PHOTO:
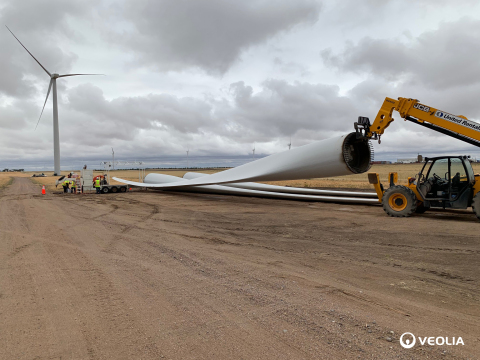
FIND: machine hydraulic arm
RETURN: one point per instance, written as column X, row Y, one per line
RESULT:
column 457, row 126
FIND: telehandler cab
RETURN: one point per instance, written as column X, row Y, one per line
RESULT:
column 444, row 182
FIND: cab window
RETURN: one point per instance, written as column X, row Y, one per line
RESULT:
column 471, row 175
column 439, row 168
column 458, row 173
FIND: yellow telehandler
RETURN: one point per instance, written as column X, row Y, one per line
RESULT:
column 443, row 182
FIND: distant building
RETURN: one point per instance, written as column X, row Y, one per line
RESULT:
column 381, row 162
column 407, row 161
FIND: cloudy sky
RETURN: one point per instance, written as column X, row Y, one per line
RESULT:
column 216, row 76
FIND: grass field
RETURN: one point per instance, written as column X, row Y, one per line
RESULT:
column 350, row 181
column 5, row 180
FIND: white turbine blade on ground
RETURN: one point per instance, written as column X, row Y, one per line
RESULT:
column 342, row 155
column 79, row 74
column 220, row 189
column 48, row 93
column 28, row 51
column 152, row 178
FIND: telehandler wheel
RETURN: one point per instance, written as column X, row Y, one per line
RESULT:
column 476, row 205
column 421, row 208
column 399, row 201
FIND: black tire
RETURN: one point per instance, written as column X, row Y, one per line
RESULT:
column 114, row 189
column 123, row 189
column 399, row 201
column 105, row 190
column 476, row 205
column 421, row 208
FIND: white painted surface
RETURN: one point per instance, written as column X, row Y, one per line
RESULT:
column 323, row 158
column 286, row 189
column 152, row 179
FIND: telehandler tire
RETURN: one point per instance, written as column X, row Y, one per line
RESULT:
column 399, row 201
column 476, row 205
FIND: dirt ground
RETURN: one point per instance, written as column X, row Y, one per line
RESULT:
column 152, row 275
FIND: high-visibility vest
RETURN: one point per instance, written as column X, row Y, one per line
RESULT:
column 65, row 183
column 97, row 183
column 72, row 184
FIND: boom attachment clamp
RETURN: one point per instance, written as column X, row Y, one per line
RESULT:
column 362, row 129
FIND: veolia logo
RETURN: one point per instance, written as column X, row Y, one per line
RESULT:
column 409, row 341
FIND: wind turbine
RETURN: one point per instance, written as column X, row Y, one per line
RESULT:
column 113, row 159
column 53, row 84
column 253, row 151
column 187, row 157
column 290, row 143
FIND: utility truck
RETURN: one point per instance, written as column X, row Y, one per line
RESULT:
column 105, row 187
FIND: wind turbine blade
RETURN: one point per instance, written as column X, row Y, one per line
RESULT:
column 79, row 74
column 48, row 93
column 28, row 51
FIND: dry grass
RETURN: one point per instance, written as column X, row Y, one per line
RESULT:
column 344, row 182
column 361, row 181
column 5, row 180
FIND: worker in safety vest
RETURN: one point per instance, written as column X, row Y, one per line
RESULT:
column 97, row 184
column 65, row 186
column 73, row 186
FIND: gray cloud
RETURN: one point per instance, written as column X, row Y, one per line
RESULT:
column 208, row 34
column 281, row 109
column 272, row 84
column 446, row 57
column 122, row 117
column 41, row 26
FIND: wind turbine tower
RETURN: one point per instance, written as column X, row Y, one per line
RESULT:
column 113, row 159
column 290, row 144
column 187, row 157
column 253, row 151
column 53, row 84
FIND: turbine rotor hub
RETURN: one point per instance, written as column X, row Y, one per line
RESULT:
column 54, row 76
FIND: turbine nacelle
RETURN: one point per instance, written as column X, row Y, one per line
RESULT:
column 55, row 76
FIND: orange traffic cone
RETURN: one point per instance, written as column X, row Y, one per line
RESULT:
column 43, row 190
